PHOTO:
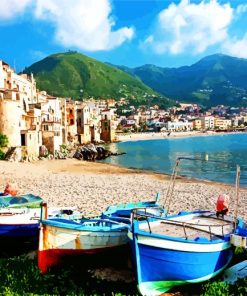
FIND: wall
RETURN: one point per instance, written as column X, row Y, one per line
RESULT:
column 10, row 115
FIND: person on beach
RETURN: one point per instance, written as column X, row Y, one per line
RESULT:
column 10, row 189
column 222, row 205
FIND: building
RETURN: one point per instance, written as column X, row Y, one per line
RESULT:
column 178, row 126
column 108, row 125
column 207, row 122
column 52, row 129
column 222, row 123
column 197, row 124
column 19, row 116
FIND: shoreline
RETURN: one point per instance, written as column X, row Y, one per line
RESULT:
column 173, row 135
column 92, row 187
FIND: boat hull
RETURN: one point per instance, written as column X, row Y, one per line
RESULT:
column 19, row 231
column 161, row 268
column 57, row 243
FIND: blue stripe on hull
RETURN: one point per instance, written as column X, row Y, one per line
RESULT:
column 29, row 230
column 158, row 264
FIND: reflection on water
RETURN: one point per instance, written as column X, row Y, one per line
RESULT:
column 160, row 155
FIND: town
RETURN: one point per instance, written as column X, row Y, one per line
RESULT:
column 33, row 120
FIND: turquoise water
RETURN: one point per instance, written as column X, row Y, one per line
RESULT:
column 225, row 152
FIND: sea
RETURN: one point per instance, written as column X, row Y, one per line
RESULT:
column 217, row 156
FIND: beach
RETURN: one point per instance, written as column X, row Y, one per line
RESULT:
column 92, row 186
column 168, row 135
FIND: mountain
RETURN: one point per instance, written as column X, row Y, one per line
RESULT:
column 67, row 74
column 215, row 79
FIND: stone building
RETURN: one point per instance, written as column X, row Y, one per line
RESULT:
column 17, row 120
column 108, row 125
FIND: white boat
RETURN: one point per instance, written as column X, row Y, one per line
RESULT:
column 61, row 239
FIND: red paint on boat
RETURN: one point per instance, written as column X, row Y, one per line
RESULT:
column 50, row 258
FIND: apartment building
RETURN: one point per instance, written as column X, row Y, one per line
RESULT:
column 207, row 122
column 222, row 123
column 197, row 124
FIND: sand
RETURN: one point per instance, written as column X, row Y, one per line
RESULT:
column 91, row 187
column 166, row 135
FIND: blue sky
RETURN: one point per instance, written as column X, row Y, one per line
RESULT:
column 124, row 32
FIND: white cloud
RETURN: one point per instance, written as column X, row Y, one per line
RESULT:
column 242, row 8
column 191, row 27
column 83, row 24
column 9, row 9
column 236, row 47
column 233, row 45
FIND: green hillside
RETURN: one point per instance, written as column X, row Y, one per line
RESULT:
column 65, row 74
column 215, row 79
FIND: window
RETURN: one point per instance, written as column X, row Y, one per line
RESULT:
column 23, row 140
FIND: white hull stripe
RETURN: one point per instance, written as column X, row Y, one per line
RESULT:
column 180, row 246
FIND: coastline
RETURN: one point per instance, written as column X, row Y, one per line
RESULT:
column 92, row 187
column 173, row 135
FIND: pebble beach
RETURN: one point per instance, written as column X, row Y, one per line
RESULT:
column 91, row 186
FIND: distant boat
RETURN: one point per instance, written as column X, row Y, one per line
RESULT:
column 189, row 247
column 61, row 238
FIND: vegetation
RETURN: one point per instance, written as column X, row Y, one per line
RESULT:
column 216, row 79
column 76, row 279
column 70, row 281
column 3, row 143
column 75, row 75
column 222, row 289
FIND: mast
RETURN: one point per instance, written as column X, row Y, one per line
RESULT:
column 237, row 195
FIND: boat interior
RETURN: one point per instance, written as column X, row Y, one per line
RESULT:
column 190, row 226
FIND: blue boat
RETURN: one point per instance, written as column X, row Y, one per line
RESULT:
column 20, row 217
column 122, row 212
column 189, row 247
column 20, row 201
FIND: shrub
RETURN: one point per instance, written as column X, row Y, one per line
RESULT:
column 3, row 140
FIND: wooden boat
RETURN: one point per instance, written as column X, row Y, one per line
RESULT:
column 20, row 201
column 189, row 247
column 22, row 223
column 60, row 238
column 185, row 248
column 235, row 272
column 122, row 212
column 20, row 216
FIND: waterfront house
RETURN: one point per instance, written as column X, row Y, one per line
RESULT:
column 18, row 121
column 52, row 130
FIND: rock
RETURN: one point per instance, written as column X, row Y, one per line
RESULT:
column 43, row 151
column 14, row 154
column 91, row 153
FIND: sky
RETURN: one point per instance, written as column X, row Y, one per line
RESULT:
column 123, row 32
